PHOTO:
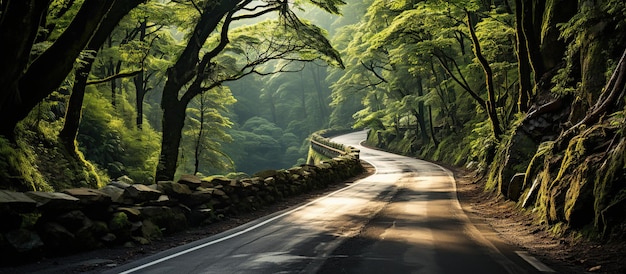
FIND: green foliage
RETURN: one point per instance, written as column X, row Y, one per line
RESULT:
column 18, row 170
column 118, row 147
column 205, row 131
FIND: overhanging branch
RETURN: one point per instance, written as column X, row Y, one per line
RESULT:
column 113, row 77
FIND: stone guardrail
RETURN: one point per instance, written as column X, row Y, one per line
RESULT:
column 329, row 149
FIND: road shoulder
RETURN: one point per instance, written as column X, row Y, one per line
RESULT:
column 568, row 254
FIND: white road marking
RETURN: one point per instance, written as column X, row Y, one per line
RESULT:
column 243, row 231
column 534, row 261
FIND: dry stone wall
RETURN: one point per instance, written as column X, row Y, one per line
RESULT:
column 36, row 224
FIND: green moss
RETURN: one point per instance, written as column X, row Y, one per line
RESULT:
column 18, row 169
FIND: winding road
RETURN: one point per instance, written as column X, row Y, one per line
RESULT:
column 405, row 218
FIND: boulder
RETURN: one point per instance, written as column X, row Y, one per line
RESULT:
column 193, row 182
column 516, row 186
column 11, row 201
column 141, row 193
column 54, row 201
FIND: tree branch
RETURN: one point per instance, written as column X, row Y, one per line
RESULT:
column 113, row 77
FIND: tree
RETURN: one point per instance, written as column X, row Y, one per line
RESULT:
column 205, row 131
column 25, row 83
column 197, row 70
column 74, row 109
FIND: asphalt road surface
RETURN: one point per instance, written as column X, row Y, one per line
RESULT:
column 406, row 218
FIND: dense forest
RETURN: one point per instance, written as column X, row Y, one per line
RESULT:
column 150, row 90
column 528, row 93
column 531, row 94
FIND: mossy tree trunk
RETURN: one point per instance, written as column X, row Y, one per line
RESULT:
column 490, row 103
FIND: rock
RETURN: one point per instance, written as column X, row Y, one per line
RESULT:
column 220, row 180
column 141, row 240
column 141, row 193
column 266, row 173
column 135, row 226
column 595, row 268
column 516, row 185
column 120, row 226
column 174, row 190
column 57, row 238
column 115, row 192
column 24, row 242
column 198, row 197
column 150, row 231
column 200, row 216
column 108, row 238
column 133, row 213
column 119, row 184
column 54, row 201
column 163, row 200
column 74, row 220
column 16, row 202
column 126, row 179
column 193, row 182
column 89, row 197
column 167, row 218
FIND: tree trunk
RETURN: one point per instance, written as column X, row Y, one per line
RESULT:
column 420, row 112
column 198, row 148
column 432, row 127
column 321, row 99
column 73, row 112
column 552, row 47
column 139, row 81
column 532, row 13
column 491, row 95
column 178, row 75
column 18, row 29
column 39, row 81
column 140, row 93
column 173, row 123
column 523, row 63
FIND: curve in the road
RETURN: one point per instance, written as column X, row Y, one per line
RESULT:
column 406, row 218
